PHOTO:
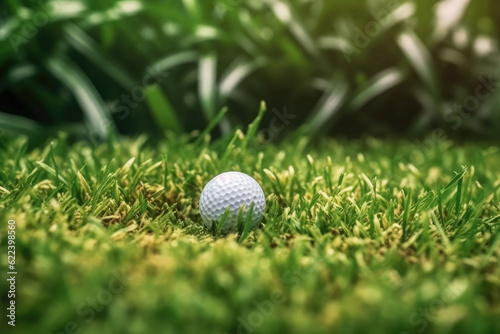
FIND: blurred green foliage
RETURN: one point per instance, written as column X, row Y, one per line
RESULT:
column 355, row 67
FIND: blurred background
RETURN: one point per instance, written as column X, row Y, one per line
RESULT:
column 324, row 67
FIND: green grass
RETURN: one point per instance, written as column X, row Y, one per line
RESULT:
column 355, row 238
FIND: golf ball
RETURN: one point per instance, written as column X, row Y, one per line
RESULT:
column 233, row 190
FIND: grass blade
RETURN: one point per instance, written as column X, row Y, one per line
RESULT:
column 247, row 224
column 253, row 128
column 222, row 222
column 328, row 107
column 17, row 125
column 378, row 85
column 87, row 47
column 162, row 110
column 237, row 74
column 457, row 178
column 84, row 91
column 420, row 58
column 172, row 61
column 439, row 227
column 211, row 126
column 207, row 86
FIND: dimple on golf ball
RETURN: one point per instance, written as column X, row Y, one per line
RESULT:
column 233, row 190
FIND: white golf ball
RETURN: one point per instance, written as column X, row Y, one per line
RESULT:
column 232, row 190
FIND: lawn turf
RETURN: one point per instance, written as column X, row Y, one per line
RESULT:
column 360, row 236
